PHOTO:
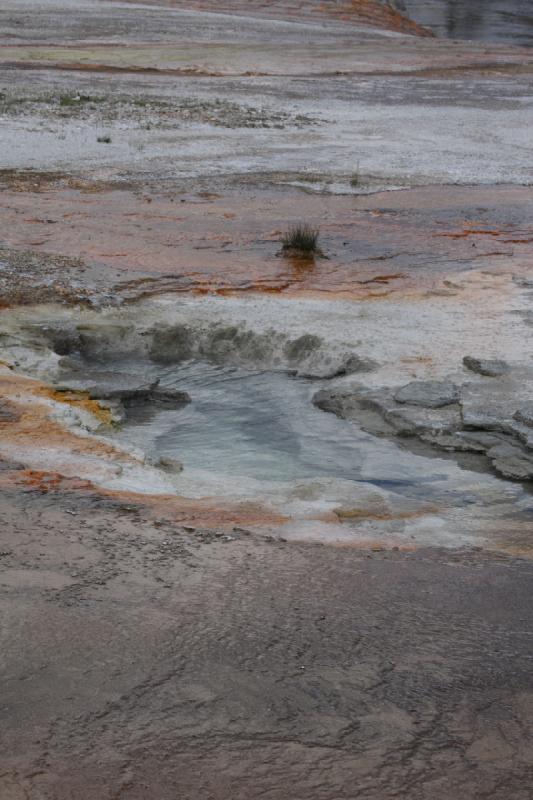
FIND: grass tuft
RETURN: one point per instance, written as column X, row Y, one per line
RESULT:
column 355, row 178
column 301, row 239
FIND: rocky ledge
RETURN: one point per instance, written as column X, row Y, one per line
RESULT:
column 488, row 416
column 118, row 391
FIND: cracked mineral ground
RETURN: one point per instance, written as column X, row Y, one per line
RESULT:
column 266, row 520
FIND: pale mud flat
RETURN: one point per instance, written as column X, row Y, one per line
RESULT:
column 299, row 579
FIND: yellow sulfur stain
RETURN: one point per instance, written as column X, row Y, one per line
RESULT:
column 79, row 400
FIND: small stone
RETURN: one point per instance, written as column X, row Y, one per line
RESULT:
column 170, row 464
column 490, row 367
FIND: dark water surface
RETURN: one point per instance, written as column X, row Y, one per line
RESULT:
column 509, row 21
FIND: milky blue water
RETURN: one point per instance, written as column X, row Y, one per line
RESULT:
column 263, row 426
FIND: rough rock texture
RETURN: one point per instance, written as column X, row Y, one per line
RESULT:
column 491, row 367
column 109, row 386
column 482, row 417
column 511, row 461
column 117, row 389
column 429, row 394
column 169, row 397
column 524, row 415
column 306, row 356
column 409, row 420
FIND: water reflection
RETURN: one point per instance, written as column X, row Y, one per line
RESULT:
column 488, row 20
column 302, row 266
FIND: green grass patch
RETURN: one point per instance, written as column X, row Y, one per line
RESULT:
column 301, row 239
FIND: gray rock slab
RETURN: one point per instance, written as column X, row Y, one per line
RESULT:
column 429, row 394
column 169, row 397
column 491, row 405
column 511, row 461
column 321, row 366
column 123, row 389
column 524, row 415
column 108, row 385
column 462, row 441
column 415, row 420
column 357, row 403
column 490, row 367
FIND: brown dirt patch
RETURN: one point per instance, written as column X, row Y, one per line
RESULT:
column 139, row 244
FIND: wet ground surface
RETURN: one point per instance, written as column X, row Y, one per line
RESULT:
column 410, row 673
column 227, row 239
column 315, row 607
